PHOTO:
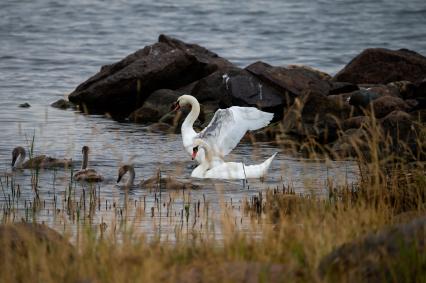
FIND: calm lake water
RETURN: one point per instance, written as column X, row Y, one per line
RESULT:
column 49, row 47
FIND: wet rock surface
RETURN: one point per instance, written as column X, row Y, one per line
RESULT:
column 25, row 105
column 62, row 104
column 155, row 106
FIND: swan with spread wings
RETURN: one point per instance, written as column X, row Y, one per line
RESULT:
column 224, row 131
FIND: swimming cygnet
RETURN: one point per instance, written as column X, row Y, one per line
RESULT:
column 127, row 169
column 87, row 174
column 42, row 161
column 167, row 183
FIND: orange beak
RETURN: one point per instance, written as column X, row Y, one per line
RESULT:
column 175, row 106
column 194, row 153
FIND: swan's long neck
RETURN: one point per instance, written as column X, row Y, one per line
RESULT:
column 207, row 153
column 21, row 159
column 85, row 162
column 193, row 115
column 131, row 179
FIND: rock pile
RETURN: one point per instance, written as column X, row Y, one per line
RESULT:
column 379, row 88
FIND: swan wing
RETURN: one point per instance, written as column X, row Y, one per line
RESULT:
column 228, row 126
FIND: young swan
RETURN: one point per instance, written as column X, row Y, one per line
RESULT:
column 86, row 174
column 152, row 183
column 126, row 169
column 42, row 161
column 216, row 169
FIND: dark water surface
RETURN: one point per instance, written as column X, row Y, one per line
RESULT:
column 48, row 47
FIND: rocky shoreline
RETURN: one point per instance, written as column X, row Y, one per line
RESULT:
column 383, row 87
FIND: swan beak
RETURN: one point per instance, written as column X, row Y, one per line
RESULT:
column 194, row 153
column 14, row 157
column 119, row 178
column 175, row 106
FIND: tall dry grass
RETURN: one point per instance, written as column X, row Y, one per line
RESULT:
column 289, row 234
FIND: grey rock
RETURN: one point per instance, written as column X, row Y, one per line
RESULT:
column 234, row 86
column 155, row 106
column 382, row 66
column 384, row 105
column 315, row 116
column 122, row 87
column 62, row 104
column 342, row 87
column 362, row 97
column 291, row 82
column 379, row 256
column 25, row 105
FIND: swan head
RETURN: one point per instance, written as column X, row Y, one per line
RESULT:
column 183, row 100
column 194, row 152
column 198, row 146
column 17, row 151
column 122, row 171
column 85, row 149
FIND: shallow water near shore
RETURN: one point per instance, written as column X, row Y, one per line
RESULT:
column 113, row 143
column 49, row 47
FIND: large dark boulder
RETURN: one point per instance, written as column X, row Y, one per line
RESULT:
column 384, row 105
column 342, row 87
column 381, row 66
column 315, row 115
column 392, row 255
column 211, row 60
column 352, row 142
column 123, row 86
column 356, row 122
column 234, row 86
column 361, row 98
column 403, row 135
column 385, row 90
column 155, row 106
column 291, row 81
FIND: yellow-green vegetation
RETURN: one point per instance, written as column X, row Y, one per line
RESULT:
column 289, row 237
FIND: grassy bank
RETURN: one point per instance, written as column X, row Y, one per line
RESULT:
column 289, row 235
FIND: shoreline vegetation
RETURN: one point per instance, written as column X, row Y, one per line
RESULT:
column 371, row 231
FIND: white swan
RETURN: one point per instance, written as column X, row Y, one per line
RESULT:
column 87, row 174
column 224, row 131
column 226, row 170
column 153, row 182
column 42, row 161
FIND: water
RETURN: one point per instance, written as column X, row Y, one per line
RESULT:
column 48, row 47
